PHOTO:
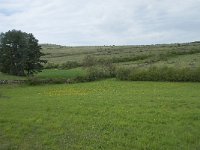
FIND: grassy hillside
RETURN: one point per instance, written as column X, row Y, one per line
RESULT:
column 179, row 55
column 171, row 55
column 101, row 115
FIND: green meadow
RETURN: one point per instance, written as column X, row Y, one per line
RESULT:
column 50, row 74
column 108, row 114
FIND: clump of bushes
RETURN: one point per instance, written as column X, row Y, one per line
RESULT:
column 159, row 74
column 70, row 65
column 99, row 72
column 51, row 66
column 98, row 68
column 89, row 61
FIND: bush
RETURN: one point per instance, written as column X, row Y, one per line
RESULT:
column 123, row 73
column 70, row 65
column 89, row 61
column 98, row 68
column 51, row 66
column 99, row 72
column 159, row 74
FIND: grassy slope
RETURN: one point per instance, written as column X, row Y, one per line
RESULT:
column 101, row 115
column 60, row 54
column 192, row 60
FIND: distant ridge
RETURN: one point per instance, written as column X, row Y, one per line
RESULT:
column 161, row 44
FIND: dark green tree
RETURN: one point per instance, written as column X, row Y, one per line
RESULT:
column 20, row 53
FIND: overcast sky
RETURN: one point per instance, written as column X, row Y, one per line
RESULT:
column 103, row 22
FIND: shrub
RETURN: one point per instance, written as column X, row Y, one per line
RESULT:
column 89, row 61
column 70, row 65
column 123, row 73
column 159, row 74
column 98, row 68
column 51, row 66
column 99, row 72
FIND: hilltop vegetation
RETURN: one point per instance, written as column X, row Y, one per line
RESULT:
column 173, row 55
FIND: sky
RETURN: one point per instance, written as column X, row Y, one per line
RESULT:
column 103, row 22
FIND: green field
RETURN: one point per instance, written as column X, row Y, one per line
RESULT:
column 106, row 114
column 50, row 74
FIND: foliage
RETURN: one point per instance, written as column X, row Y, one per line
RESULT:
column 160, row 74
column 50, row 65
column 20, row 53
column 70, row 65
column 123, row 73
column 98, row 68
column 89, row 61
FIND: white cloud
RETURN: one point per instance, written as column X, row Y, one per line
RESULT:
column 103, row 22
